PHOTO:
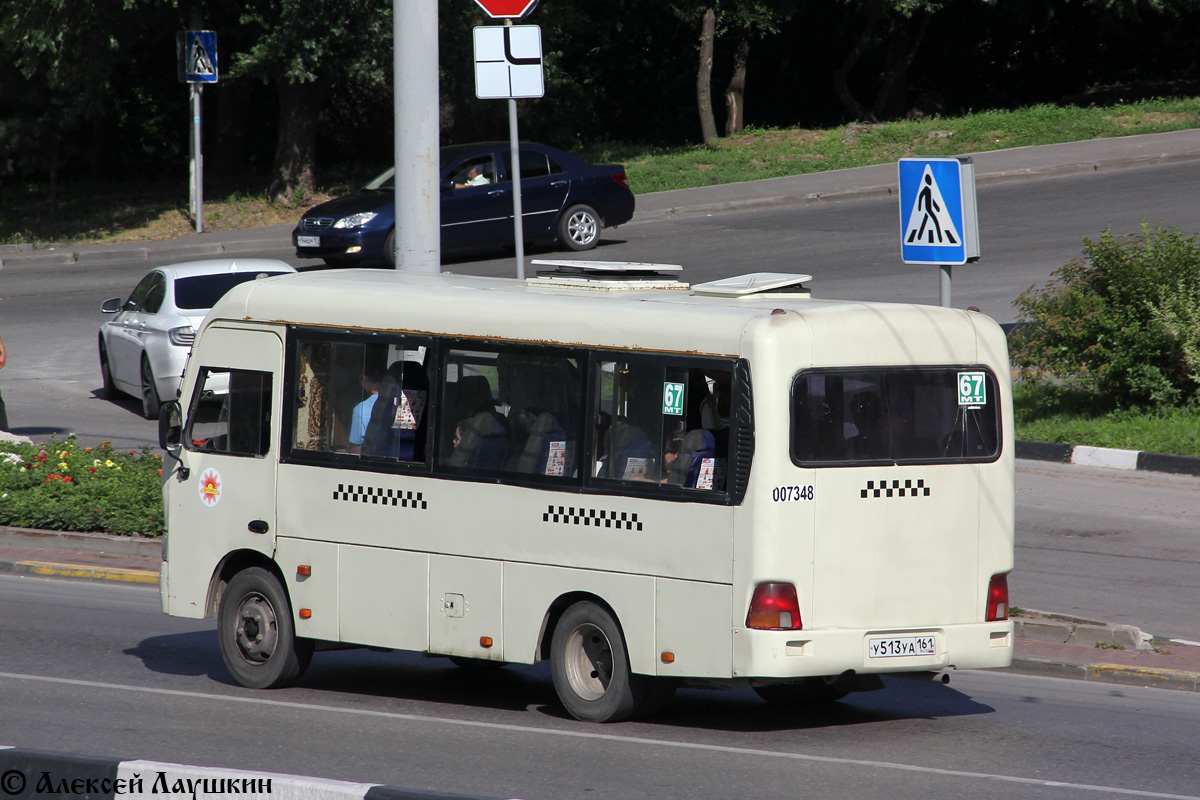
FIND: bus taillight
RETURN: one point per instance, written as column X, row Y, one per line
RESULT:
column 997, row 599
column 774, row 607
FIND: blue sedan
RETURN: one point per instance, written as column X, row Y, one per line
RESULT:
column 562, row 197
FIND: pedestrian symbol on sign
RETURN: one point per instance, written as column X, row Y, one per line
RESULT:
column 199, row 62
column 930, row 222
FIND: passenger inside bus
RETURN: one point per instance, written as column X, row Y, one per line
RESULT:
column 398, row 422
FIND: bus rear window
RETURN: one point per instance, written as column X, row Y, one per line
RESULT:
column 895, row 415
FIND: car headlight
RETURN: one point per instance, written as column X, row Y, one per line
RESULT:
column 356, row 220
column 182, row 337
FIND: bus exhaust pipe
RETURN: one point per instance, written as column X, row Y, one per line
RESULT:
column 932, row 677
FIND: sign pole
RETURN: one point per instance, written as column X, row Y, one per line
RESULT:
column 518, row 215
column 944, row 286
column 197, row 165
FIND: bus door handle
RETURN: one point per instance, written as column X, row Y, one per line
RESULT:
column 258, row 526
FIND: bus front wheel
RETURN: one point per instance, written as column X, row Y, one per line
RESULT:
column 590, row 667
column 258, row 639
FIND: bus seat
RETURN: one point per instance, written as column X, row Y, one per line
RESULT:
column 400, row 434
column 629, row 442
column 699, row 454
column 484, row 443
column 534, row 458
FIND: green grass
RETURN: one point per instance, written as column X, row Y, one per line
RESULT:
column 759, row 153
column 1046, row 413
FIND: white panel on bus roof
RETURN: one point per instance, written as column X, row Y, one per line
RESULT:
column 754, row 283
column 608, row 266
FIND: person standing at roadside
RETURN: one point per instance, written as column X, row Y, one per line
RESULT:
column 3, row 414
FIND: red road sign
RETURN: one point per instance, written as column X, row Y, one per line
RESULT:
column 507, row 9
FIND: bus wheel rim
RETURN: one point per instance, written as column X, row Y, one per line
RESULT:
column 257, row 629
column 588, row 662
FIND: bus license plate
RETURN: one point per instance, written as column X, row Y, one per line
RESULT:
column 308, row 241
column 899, row 646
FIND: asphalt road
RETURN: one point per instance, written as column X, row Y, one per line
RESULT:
column 96, row 668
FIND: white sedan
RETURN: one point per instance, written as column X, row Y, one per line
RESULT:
column 144, row 347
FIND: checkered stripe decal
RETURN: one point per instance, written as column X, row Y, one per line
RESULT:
column 895, row 489
column 349, row 493
column 569, row 515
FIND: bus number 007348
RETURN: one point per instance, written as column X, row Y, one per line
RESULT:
column 792, row 494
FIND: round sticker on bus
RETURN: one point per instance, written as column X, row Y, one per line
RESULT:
column 210, row 487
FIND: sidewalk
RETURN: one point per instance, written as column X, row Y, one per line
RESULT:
column 1046, row 644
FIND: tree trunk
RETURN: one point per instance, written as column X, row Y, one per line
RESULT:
column 708, row 32
column 842, row 73
column 889, row 103
column 295, row 148
column 735, row 95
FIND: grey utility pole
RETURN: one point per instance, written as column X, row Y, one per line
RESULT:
column 415, row 88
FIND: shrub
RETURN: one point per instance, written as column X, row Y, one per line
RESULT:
column 61, row 486
column 1122, row 321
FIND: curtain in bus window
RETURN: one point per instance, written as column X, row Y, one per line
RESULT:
column 895, row 415
column 662, row 424
column 235, row 423
column 337, row 384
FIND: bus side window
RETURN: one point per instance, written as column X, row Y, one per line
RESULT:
column 336, row 386
column 236, row 423
column 662, row 423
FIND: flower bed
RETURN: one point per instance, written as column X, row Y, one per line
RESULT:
column 61, row 486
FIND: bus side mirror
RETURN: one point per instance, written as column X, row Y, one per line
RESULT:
column 170, row 428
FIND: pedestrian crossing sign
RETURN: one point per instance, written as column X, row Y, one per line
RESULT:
column 196, row 56
column 938, row 224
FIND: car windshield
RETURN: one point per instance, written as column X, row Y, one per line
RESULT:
column 203, row 291
column 383, row 182
column 386, row 180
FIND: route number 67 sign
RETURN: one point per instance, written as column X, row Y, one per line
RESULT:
column 972, row 389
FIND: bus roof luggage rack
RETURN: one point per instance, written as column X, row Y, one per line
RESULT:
column 756, row 283
column 606, row 275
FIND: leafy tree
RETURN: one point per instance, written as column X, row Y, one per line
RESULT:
column 306, row 48
column 66, row 54
column 744, row 19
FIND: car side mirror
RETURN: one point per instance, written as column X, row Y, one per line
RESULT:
column 111, row 306
column 447, row 186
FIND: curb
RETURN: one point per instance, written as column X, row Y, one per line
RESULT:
column 45, row 569
column 1178, row 680
column 1108, row 458
column 35, row 773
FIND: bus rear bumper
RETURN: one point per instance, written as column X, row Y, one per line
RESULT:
column 795, row 654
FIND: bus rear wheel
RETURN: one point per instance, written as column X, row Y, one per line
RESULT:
column 258, row 639
column 590, row 667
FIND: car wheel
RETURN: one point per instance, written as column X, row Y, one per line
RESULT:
column 108, row 389
column 150, row 401
column 590, row 667
column 389, row 248
column 258, row 640
column 579, row 228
